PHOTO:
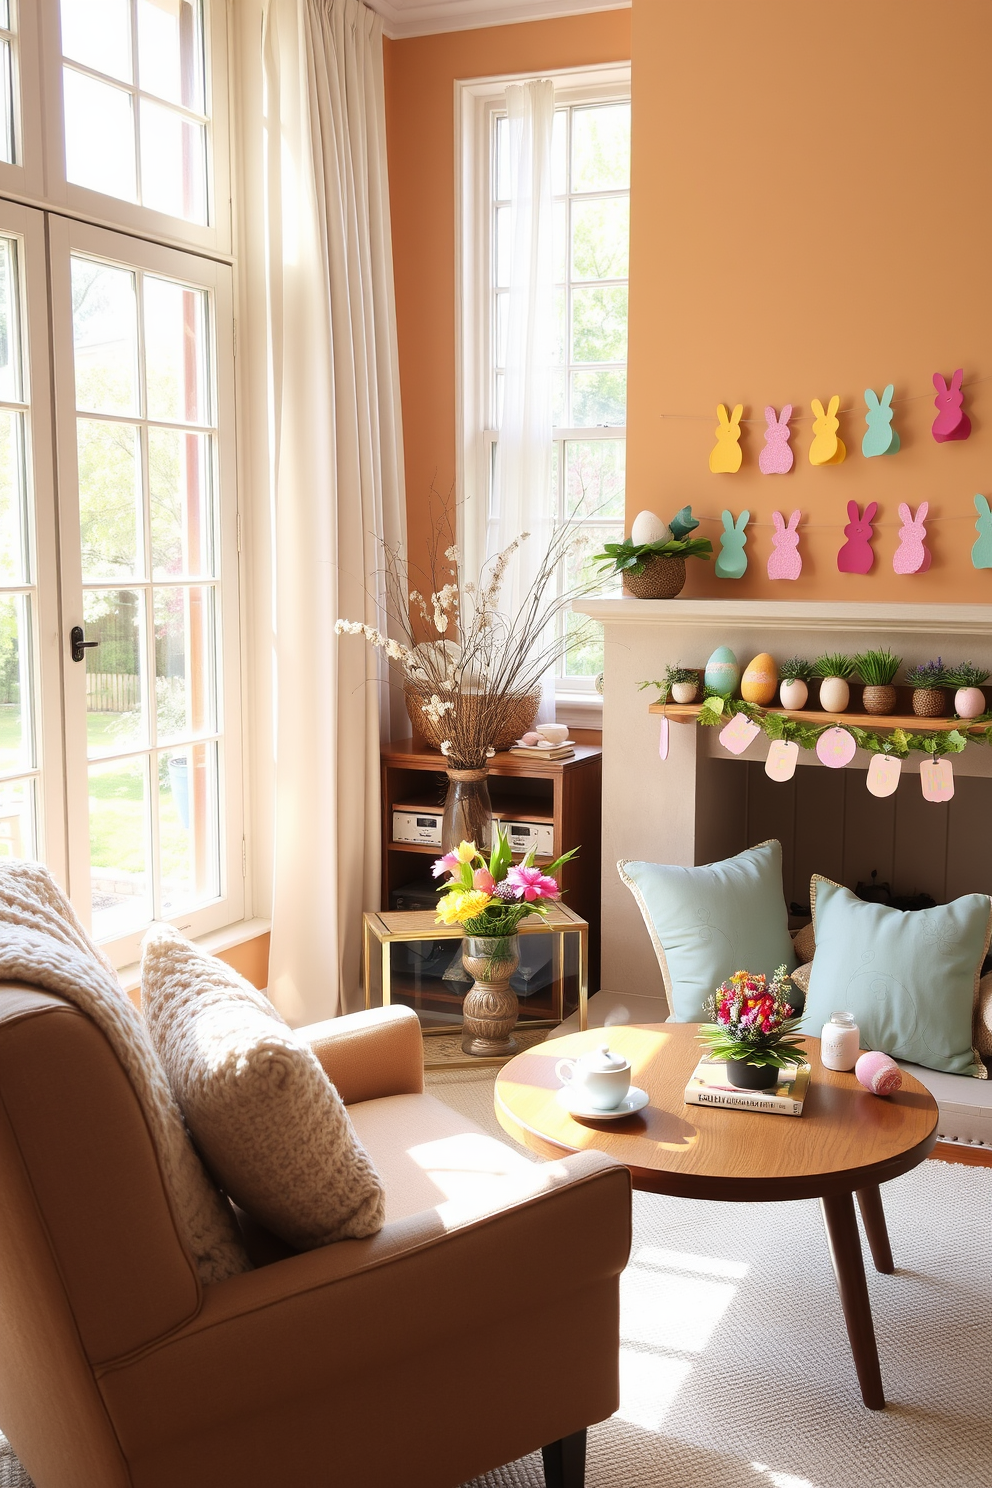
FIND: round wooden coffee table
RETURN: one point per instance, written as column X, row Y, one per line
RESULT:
column 845, row 1144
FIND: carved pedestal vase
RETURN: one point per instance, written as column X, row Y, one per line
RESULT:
column 489, row 1012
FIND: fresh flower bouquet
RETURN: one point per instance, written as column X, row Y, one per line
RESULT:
column 754, row 1021
column 491, row 897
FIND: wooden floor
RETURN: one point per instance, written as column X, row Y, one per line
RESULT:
column 971, row 1157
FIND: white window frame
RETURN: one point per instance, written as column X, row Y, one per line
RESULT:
column 65, row 237
column 25, row 176
column 93, row 206
column 476, row 102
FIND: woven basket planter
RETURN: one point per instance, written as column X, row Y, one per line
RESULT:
column 929, row 702
column 520, row 714
column 662, row 578
column 878, row 699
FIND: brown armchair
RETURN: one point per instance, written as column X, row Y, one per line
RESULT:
column 480, row 1324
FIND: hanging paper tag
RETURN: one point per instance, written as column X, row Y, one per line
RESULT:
column 781, row 762
column 738, row 733
column 835, row 748
column 937, row 779
column 663, row 739
column 883, row 774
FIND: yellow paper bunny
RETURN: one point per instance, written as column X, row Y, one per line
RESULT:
column 826, row 448
column 725, row 456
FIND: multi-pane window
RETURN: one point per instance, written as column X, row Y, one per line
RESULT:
column 134, row 102
column 591, row 184
column 7, row 147
column 146, row 452
column 19, row 774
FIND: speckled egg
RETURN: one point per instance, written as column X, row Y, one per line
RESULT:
column 647, row 528
column 722, row 671
column 760, row 680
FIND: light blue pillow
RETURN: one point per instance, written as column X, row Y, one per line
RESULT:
column 910, row 977
column 706, row 923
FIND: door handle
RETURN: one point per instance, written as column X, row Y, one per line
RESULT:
column 77, row 646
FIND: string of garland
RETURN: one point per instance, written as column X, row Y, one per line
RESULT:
column 899, row 742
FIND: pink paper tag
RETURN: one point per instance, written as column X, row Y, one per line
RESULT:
column 835, row 748
column 781, row 762
column 738, row 733
column 883, row 774
column 663, row 739
column 937, row 779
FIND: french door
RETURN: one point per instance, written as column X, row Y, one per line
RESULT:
column 121, row 735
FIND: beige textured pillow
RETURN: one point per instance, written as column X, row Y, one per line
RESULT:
column 801, row 977
column 804, row 942
column 983, row 1017
column 266, row 1119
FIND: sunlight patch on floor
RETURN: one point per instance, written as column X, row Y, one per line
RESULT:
column 648, row 1387
column 666, row 1311
column 781, row 1479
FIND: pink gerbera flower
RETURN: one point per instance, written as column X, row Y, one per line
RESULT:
column 530, row 884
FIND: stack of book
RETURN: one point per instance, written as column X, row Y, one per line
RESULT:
column 534, row 751
column 709, row 1086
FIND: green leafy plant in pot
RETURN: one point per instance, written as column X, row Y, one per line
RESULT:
column 651, row 560
column 754, row 1028
column 836, row 672
column 877, row 670
column 928, row 679
column 969, row 699
column 795, row 675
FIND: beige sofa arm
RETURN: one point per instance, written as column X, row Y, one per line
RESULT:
column 371, row 1054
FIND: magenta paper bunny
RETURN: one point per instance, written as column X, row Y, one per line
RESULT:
column 776, row 457
column 912, row 555
column 857, row 556
column 951, row 422
column 785, row 562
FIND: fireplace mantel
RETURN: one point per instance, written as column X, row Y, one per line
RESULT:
column 932, row 620
column 701, row 804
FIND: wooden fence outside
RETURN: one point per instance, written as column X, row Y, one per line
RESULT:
column 112, row 692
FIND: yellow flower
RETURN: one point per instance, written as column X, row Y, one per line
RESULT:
column 461, row 905
column 465, row 852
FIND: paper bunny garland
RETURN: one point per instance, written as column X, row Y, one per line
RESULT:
column 776, row 457
column 951, row 422
column 880, row 437
column 981, row 552
column 731, row 562
column 725, row 456
column 784, row 562
column 912, row 555
column 826, row 448
column 857, row 556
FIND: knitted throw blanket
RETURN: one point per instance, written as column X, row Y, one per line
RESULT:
column 43, row 943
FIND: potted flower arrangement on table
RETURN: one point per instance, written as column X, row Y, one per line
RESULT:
column 754, row 1026
column 877, row 670
column 928, row 679
column 489, row 897
column 969, row 699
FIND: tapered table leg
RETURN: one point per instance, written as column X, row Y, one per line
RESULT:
column 870, row 1204
column 849, row 1269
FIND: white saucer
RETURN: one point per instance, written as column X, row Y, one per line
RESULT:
column 519, row 744
column 635, row 1100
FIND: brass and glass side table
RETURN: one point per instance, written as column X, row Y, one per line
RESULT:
column 408, row 959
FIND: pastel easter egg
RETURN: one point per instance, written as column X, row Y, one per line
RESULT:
column 760, row 680
column 531, row 738
column 835, row 748
column 878, row 1073
column 722, row 672
column 648, row 528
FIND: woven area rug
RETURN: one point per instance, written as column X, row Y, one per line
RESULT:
column 735, row 1367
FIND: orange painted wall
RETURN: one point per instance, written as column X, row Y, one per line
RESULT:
column 420, row 110
column 811, row 213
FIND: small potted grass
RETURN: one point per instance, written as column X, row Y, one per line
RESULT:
column 928, row 679
column 877, row 670
column 795, row 675
column 969, row 699
column 681, row 684
column 836, row 672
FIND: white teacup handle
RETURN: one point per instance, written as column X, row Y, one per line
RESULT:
column 561, row 1067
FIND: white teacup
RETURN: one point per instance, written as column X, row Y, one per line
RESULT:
column 554, row 733
column 599, row 1078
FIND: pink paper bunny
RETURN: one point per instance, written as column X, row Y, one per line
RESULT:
column 857, row 555
column 785, row 562
column 776, row 457
column 912, row 555
column 950, row 422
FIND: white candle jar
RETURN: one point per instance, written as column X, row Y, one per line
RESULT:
column 840, row 1042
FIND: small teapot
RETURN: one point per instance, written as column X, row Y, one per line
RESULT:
column 600, row 1078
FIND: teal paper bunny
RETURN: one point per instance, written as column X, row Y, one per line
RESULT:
column 732, row 561
column 880, row 437
column 981, row 553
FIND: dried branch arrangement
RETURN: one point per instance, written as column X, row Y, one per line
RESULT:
column 470, row 662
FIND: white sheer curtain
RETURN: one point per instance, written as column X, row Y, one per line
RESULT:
column 522, row 488
column 335, row 481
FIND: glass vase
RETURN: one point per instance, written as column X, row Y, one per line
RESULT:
column 468, row 814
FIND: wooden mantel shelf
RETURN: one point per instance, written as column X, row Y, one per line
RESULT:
column 934, row 621
column 689, row 712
